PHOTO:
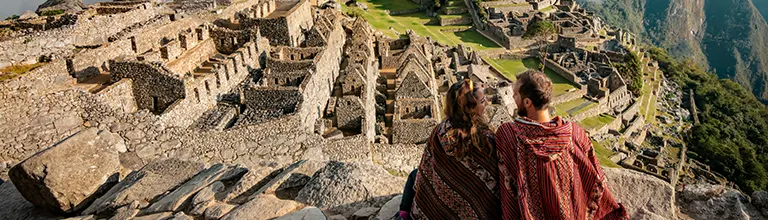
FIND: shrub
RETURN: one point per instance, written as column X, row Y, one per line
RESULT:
column 52, row 12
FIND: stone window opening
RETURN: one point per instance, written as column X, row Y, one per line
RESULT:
column 197, row 95
column 287, row 81
column 407, row 110
column 277, row 83
column 292, row 58
column 155, row 103
column 133, row 45
column 221, row 42
column 207, row 87
column 349, row 103
column 226, row 72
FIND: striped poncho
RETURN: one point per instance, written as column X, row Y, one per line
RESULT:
column 452, row 187
column 549, row 171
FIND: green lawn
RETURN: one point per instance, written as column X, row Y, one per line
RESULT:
column 510, row 69
column 512, row 5
column 547, row 9
column 574, row 107
column 648, row 101
column 603, row 154
column 596, row 122
column 417, row 22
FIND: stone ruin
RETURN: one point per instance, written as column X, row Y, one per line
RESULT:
column 508, row 25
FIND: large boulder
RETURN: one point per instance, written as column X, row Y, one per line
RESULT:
column 760, row 201
column 145, row 185
column 704, row 201
column 68, row 176
column 347, row 187
column 657, row 197
column 68, row 6
column 183, row 194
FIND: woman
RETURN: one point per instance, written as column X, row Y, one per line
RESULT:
column 457, row 175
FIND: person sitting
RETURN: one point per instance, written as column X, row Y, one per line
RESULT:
column 547, row 166
column 457, row 175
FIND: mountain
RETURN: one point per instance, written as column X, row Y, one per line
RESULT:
column 729, row 37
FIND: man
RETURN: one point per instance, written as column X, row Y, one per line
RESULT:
column 547, row 165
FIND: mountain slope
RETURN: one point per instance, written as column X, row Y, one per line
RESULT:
column 728, row 36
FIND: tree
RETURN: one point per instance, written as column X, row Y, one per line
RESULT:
column 632, row 71
column 541, row 32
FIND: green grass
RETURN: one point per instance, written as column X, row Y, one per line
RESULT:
column 596, row 122
column 512, row 5
column 547, row 9
column 417, row 22
column 16, row 70
column 510, row 68
column 571, row 108
column 52, row 12
column 603, row 154
column 648, row 106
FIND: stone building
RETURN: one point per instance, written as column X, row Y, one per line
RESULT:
column 186, row 75
column 282, row 22
column 298, row 80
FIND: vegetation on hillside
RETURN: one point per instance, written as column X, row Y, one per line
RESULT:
column 13, row 71
column 632, row 72
column 731, row 136
column 52, row 12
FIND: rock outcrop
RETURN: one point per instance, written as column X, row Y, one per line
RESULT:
column 657, row 197
column 347, row 187
column 145, row 185
column 66, row 177
column 68, row 6
column 703, row 201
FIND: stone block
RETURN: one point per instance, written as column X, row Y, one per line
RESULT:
column 307, row 213
column 216, row 211
column 263, row 207
column 146, row 184
column 174, row 200
column 347, row 187
column 66, row 177
column 390, row 209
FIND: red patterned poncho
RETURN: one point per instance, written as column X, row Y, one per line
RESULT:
column 549, row 171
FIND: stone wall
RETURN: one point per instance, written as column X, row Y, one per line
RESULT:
column 192, row 58
column 614, row 125
column 285, row 99
column 154, row 86
column 28, row 124
column 455, row 21
column 568, row 96
column 91, row 62
column 317, row 89
column 96, row 30
column 152, row 36
column 409, row 11
column 26, row 50
column 119, row 96
column 413, row 131
column 228, row 40
column 349, row 112
column 565, row 73
column 202, row 93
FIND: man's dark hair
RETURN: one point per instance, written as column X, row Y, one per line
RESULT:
column 535, row 86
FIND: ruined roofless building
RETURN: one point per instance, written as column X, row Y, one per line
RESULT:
column 186, row 75
column 299, row 80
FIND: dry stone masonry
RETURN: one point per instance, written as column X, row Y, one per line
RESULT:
column 289, row 109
